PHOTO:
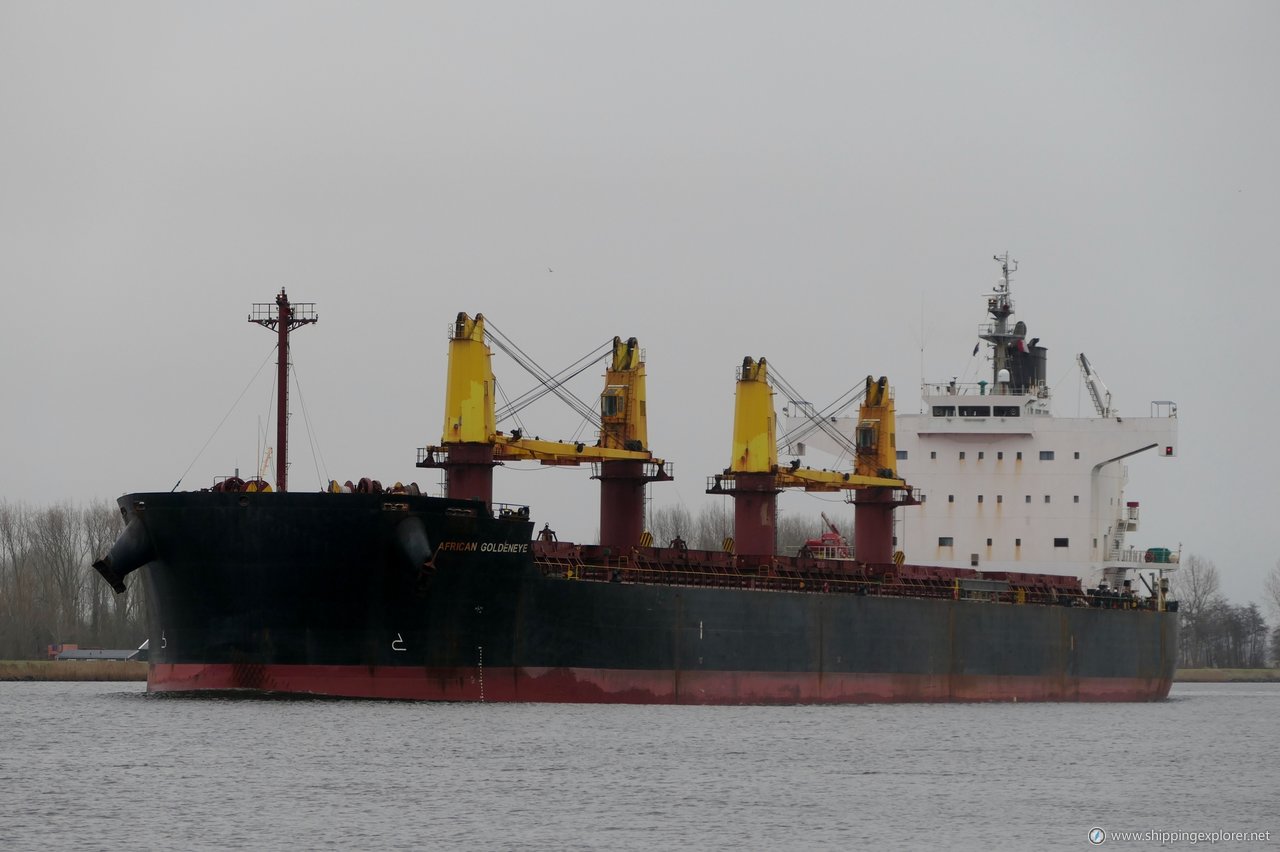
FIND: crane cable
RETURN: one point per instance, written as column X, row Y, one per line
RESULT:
column 822, row 422
column 814, row 420
column 548, row 381
column 223, row 420
column 514, row 406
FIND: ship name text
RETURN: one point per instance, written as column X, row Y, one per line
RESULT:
column 485, row 546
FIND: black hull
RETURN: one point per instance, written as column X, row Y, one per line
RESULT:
column 416, row 597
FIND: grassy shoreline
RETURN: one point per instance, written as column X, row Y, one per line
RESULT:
column 1227, row 676
column 56, row 670
column 73, row 670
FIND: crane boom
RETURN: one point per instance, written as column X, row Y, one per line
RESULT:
column 830, row 524
column 1098, row 391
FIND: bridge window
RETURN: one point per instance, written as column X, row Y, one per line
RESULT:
column 1007, row 411
column 975, row 411
column 944, row 411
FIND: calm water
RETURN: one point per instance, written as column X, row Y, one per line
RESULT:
column 105, row 766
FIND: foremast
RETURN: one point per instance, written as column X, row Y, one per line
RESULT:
column 282, row 318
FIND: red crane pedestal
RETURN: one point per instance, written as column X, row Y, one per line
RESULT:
column 621, row 503
column 755, row 514
column 873, row 524
column 469, row 472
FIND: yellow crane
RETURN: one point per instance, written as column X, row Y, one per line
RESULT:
column 471, row 442
column 754, row 476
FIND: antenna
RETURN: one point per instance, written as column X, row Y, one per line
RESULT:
column 283, row 317
column 1000, row 306
column 1003, row 260
column 921, row 350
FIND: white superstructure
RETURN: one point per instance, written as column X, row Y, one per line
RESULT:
column 1007, row 486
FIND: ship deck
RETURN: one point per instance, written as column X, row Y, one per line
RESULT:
column 682, row 566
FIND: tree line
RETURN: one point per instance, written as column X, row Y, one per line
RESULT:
column 49, row 592
column 714, row 523
column 1216, row 633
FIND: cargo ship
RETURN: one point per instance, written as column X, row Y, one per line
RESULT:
column 369, row 591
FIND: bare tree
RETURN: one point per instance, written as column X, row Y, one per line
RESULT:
column 56, row 538
column 1271, row 587
column 1196, row 587
column 16, row 592
column 795, row 530
column 1253, row 653
column 714, row 525
column 48, row 590
column 109, row 615
column 667, row 523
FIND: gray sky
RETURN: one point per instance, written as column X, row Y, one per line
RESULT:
column 822, row 184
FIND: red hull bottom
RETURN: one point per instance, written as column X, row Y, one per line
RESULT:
column 617, row 686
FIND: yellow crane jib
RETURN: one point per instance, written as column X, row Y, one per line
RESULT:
column 623, row 423
column 811, row 479
column 469, row 396
column 516, row 447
